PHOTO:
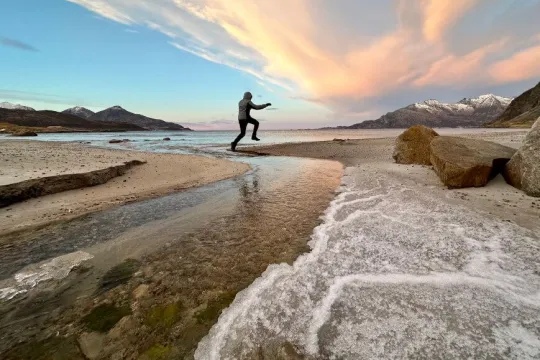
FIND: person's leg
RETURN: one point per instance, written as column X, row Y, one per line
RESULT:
column 255, row 128
column 243, row 126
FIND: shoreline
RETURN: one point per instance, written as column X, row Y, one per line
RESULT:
column 161, row 174
column 497, row 198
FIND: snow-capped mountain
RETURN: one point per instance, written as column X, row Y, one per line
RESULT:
column 79, row 111
column 468, row 112
column 10, row 106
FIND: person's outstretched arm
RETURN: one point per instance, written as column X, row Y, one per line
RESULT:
column 258, row 107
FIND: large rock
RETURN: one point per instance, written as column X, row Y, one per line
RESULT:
column 412, row 146
column 461, row 162
column 523, row 170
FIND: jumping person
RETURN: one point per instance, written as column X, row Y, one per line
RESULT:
column 244, row 118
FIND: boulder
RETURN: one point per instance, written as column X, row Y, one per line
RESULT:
column 412, row 146
column 24, row 133
column 523, row 170
column 461, row 162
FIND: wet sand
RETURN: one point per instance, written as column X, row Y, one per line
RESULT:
column 162, row 174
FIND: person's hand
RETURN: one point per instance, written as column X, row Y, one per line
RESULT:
column 268, row 104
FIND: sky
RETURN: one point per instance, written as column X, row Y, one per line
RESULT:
column 319, row 62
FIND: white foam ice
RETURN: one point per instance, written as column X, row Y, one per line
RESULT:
column 394, row 272
column 52, row 269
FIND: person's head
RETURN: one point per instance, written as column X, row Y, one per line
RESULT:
column 248, row 96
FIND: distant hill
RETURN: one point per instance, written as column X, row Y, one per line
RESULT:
column 41, row 120
column 119, row 115
column 7, row 105
column 79, row 111
column 522, row 111
column 468, row 112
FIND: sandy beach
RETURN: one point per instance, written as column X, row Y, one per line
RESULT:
column 162, row 174
column 393, row 232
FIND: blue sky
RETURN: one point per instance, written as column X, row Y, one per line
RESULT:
column 319, row 62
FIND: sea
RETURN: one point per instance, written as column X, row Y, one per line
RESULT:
column 217, row 141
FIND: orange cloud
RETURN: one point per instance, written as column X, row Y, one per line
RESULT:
column 520, row 66
column 302, row 48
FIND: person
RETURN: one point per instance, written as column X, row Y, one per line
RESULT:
column 244, row 118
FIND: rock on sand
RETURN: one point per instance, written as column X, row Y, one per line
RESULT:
column 412, row 146
column 461, row 162
column 24, row 133
column 523, row 170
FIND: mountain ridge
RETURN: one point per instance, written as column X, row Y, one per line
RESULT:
column 120, row 115
column 52, row 121
column 79, row 111
column 468, row 112
column 521, row 112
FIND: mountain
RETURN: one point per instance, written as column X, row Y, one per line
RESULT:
column 522, row 111
column 79, row 111
column 7, row 105
column 468, row 112
column 52, row 121
column 119, row 115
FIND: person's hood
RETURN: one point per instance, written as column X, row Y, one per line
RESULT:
column 248, row 96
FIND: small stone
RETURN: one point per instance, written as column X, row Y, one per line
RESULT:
column 141, row 291
column 126, row 323
column 91, row 344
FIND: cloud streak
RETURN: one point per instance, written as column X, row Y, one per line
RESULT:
column 40, row 97
column 16, row 44
column 299, row 46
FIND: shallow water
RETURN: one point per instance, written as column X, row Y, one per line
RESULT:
column 394, row 272
column 267, row 215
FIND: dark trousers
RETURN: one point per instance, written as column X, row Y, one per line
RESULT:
column 243, row 125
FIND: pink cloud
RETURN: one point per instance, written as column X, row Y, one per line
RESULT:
column 459, row 70
column 523, row 65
